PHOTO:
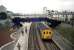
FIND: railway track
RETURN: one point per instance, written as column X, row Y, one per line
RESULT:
column 36, row 43
column 33, row 42
column 50, row 45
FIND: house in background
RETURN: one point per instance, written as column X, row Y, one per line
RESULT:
column 60, row 15
column 3, row 9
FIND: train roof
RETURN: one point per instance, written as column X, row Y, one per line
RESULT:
column 42, row 27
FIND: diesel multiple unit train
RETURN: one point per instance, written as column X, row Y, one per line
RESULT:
column 45, row 32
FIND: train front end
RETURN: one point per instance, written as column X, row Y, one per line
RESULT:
column 47, row 34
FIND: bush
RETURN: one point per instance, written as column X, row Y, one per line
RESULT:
column 3, row 16
column 5, row 25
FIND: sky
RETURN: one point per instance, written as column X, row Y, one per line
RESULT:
column 36, row 6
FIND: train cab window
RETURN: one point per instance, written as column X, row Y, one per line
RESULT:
column 49, row 32
column 44, row 32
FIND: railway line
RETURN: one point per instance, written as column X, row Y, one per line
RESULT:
column 35, row 41
column 49, row 44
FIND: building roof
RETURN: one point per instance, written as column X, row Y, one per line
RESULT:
column 2, row 8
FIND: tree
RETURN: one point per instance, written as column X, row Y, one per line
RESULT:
column 3, row 15
column 72, row 20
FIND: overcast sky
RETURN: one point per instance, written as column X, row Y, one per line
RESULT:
column 36, row 6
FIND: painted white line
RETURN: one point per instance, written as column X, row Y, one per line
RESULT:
column 9, row 42
column 14, row 39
